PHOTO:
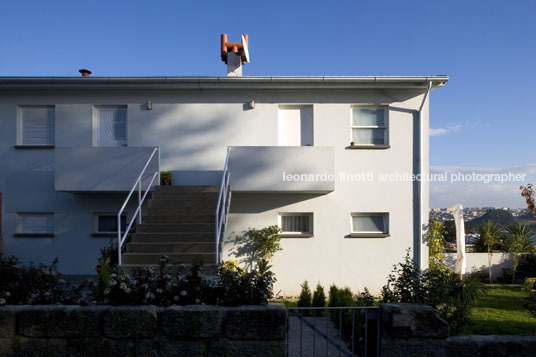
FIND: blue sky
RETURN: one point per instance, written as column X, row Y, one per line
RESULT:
column 483, row 118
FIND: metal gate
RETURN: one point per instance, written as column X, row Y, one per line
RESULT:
column 333, row 331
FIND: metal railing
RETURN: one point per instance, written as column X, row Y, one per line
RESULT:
column 137, row 214
column 222, row 208
column 333, row 331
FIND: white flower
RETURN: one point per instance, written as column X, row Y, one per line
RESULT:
column 127, row 290
column 149, row 296
column 199, row 274
column 160, row 291
column 183, row 293
column 8, row 294
column 3, row 301
column 123, row 286
column 176, row 298
column 145, row 286
column 113, row 275
column 61, row 281
column 107, row 291
column 167, row 276
column 197, row 301
column 113, row 282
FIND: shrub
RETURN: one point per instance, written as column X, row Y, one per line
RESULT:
column 319, row 297
column 364, row 298
column 305, row 298
column 442, row 289
column 529, row 285
column 265, row 242
column 41, row 284
column 164, row 286
column 530, row 303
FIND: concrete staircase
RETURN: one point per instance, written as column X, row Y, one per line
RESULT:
column 179, row 223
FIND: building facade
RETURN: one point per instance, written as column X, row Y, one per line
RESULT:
column 325, row 158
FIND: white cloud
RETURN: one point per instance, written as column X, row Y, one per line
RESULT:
column 444, row 131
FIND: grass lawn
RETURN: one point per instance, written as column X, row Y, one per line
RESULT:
column 501, row 312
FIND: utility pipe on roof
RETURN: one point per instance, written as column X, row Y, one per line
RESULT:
column 417, row 247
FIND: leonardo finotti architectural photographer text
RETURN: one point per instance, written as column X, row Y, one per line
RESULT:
column 369, row 176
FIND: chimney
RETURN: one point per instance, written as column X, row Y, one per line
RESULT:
column 234, row 54
column 85, row 72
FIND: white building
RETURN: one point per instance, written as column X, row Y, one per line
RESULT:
column 72, row 148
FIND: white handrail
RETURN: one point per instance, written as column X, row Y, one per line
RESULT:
column 224, row 201
column 121, row 238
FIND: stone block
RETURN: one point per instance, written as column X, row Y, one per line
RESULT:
column 235, row 348
column 39, row 347
column 130, row 321
column 411, row 320
column 7, row 322
column 163, row 347
column 414, row 347
column 255, row 323
column 42, row 321
column 197, row 321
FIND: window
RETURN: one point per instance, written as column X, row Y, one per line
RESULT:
column 106, row 223
column 35, row 225
column 369, row 126
column 110, row 126
column 36, row 126
column 370, row 225
column 296, row 224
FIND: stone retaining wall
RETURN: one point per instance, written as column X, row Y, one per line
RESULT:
column 142, row 331
column 416, row 330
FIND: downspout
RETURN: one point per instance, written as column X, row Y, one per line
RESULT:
column 417, row 248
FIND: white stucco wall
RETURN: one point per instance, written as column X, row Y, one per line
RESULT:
column 193, row 129
column 479, row 261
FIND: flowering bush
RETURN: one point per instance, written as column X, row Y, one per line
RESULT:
column 442, row 289
column 41, row 284
column 167, row 285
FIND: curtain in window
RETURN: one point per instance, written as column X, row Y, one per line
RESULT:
column 295, row 223
column 368, row 136
column 368, row 117
column 112, row 125
column 109, row 223
column 368, row 224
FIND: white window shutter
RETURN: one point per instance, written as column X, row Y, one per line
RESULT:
column 40, row 223
column 37, row 126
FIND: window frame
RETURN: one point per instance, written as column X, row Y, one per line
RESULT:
column 97, row 233
column 307, row 234
column 385, row 127
column 371, row 234
column 20, row 231
column 96, row 126
column 20, row 126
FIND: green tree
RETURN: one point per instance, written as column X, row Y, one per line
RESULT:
column 518, row 241
column 489, row 235
column 305, row 297
column 436, row 246
column 319, row 297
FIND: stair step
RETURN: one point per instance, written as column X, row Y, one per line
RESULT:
column 175, row 227
column 188, row 195
column 186, row 247
column 173, row 237
column 210, row 269
column 179, row 219
column 182, row 211
column 154, row 258
column 158, row 203
column 187, row 189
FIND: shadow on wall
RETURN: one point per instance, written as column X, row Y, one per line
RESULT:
column 242, row 249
